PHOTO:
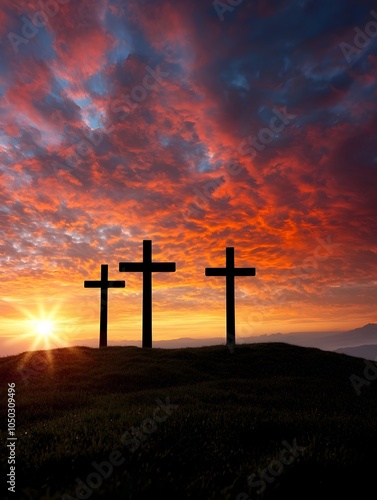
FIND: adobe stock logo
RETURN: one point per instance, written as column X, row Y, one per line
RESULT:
column 361, row 39
column 322, row 252
column 267, row 134
column 221, row 7
column 132, row 440
column 288, row 455
column 370, row 375
column 31, row 26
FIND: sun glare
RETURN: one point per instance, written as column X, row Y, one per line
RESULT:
column 44, row 328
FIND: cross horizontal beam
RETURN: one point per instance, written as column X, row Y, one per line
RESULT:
column 220, row 271
column 151, row 267
column 99, row 284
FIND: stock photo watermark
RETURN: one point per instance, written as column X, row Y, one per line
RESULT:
column 11, row 439
column 361, row 40
column 122, row 106
column 202, row 197
column 223, row 6
column 287, row 456
column 31, row 26
column 370, row 375
column 132, row 439
column 249, row 146
column 324, row 250
column 267, row 134
column 33, row 366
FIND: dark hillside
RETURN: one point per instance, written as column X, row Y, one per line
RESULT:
column 233, row 415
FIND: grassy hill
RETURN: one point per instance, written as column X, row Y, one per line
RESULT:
column 200, row 423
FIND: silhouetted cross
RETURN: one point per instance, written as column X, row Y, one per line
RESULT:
column 230, row 272
column 147, row 267
column 104, row 285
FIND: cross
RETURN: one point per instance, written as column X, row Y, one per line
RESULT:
column 147, row 267
column 104, row 285
column 230, row 272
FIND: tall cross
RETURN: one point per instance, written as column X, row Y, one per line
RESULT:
column 147, row 267
column 104, row 285
column 230, row 272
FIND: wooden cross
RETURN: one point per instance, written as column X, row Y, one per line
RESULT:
column 230, row 272
column 104, row 285
column 147, row 267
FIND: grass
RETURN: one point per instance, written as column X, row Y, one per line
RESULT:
column 231, row 414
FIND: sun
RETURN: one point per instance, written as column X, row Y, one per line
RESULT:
column 44, row 328
column 44, row 331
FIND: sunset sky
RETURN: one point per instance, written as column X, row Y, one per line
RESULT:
column 198, row 125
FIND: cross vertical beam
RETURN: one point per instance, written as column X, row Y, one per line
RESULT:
column 230, row 299
column 230, row 272
column 104, row 306
column 147, row 267
column 104, row 284
column 147, row 294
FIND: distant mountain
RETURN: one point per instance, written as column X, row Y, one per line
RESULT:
column 367, row 334
column 361, row 351
column 370, row 328
column 327, row 341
